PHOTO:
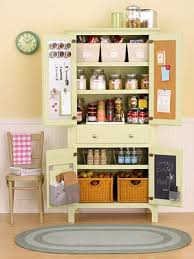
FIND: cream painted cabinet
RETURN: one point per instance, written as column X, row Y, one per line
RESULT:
column 61, row 61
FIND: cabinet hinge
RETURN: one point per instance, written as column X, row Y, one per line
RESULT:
column 151, row 155
column 74, row 117
column 151, row 118
column 75, row 154
column 73, row 41
column 150, row 41
column 151, row 198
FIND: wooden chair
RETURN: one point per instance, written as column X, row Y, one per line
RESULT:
column 37, row 152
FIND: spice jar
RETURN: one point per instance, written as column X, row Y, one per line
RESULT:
column 101, row 111
column 144, row 81
column 80, row 110
column 96, row 157
column 115, row 82
column 81, row 80
column 110, row 110
column 133, row 16
column 103, row 157
column 131, row 82
column 97, row 80
column 90, row 158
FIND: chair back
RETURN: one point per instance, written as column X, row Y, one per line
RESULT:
column 37, row 150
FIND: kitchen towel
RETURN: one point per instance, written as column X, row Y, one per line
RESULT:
column 22, row 149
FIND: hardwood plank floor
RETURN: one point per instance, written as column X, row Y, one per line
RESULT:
column 8, row 249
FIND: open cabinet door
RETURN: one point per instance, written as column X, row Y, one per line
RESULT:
column 164, row 74
column 165, row 177
column 59, row 161
column 59, row 104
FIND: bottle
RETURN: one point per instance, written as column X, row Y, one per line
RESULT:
column 127, row 156
column 134, row 157
column 90, row 158
column 96, row 157
column 121, row 157
column 103, row 157
column 80, row 110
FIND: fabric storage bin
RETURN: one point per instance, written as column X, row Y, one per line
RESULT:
column 138, row 52
column 101, row 192
column 61, row 194
column 132, row 189
column 113, row 52
column 88, row 52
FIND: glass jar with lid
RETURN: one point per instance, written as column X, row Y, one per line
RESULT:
column 81, row 79
column 144, row 81
column 97, row 80
column 131, row 82
column 115, row 82
column 133, row 16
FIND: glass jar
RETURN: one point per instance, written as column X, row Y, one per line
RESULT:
column 90, row 157
column 133, row 16
column 98, row 80
column 96, row 157
column 144, row 81
column 115, row 82
column 131, row 82
column 103, row 157
column 80, row 110
column 134, row 157
column 81, row 79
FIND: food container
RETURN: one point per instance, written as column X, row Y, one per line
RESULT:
column 133, row 102
column 97, row 80
column 101, row 111
column 143, row 102
column 133, row 16
column 113, row 52
column 131, row 82
column 81, row 79
column 148, row 18
column 134, row 117
column 144, row 81
column 115, row 82
column 137, row 52
column 88, row 52
column 142, row 116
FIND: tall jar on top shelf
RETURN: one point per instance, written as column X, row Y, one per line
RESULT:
column 133, row 13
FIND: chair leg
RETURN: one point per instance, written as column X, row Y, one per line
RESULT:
column 41, row 202
column 11, row 200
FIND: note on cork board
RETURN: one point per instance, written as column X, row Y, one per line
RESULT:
column 165, row 78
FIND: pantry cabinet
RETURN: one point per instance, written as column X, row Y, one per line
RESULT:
column 158, row 57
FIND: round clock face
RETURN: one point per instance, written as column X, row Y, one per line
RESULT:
column 27, row 42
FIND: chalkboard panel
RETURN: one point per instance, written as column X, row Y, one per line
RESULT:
column 165, row 176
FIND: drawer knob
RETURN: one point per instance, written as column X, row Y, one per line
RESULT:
column 130, row 135
column 94, row 136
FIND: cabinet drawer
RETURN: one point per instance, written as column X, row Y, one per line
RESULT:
column 110, row 134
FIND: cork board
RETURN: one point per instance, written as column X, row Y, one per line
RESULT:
column 169, row 46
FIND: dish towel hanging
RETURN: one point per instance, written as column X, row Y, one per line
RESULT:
column 22, row 149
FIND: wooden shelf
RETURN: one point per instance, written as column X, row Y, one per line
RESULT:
column 113, row 64
column 111, row 167
column 108, row 92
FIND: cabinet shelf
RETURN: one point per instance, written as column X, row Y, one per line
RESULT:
column 111, row 167
column 113, row 64
column 110, row 92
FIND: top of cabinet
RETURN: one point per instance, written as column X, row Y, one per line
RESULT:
column 109, row 31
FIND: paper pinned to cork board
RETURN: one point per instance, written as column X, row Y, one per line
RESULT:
column 163, row 101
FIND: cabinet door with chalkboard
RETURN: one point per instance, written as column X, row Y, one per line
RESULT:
column 164, row 67
column 165, row 177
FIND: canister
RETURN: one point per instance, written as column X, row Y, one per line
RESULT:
column 148, row 18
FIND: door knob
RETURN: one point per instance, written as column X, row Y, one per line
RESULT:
column 94, row 136
column 130, row 135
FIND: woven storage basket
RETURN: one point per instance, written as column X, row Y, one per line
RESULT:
column 127, row 191
column 102, row 192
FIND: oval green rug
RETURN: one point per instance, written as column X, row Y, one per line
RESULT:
column 101, row 239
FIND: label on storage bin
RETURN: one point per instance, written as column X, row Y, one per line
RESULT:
column 140, row 53
column 114, row 54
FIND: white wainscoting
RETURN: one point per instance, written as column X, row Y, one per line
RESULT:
column 55, row 137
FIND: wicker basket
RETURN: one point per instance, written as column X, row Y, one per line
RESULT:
column 129, row 190
column 102, row 192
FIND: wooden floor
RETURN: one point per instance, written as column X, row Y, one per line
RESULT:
column 8, row 249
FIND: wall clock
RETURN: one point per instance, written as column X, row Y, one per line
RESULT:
column 27, row 42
